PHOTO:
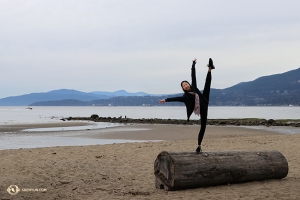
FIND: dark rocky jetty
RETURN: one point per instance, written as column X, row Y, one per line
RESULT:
column 217, row 122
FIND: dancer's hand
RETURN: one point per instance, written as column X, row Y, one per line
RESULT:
column 162, row 101
column 195, row 60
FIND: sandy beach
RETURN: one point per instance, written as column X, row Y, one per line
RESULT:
column 125, row 171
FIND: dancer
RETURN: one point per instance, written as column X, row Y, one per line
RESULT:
column 194, row 100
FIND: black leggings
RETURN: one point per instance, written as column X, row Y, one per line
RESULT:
column 203, row 111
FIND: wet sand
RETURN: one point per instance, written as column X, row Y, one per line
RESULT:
column 19, row 127
column 125, row 171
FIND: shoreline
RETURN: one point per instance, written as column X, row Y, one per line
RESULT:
column 86, row 121
column 43, row 135
column 121, row 126
column 20, row 127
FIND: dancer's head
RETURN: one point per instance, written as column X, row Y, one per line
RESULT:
column 186, row 86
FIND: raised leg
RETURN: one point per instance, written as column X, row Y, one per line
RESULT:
column 206, row 90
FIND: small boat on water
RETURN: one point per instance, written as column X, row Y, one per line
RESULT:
column 29, row 108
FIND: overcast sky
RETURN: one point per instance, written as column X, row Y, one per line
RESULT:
column 143, row 45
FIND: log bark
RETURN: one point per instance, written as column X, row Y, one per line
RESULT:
column 183, row 170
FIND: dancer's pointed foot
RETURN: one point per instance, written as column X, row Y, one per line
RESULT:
column 198, row 150
column 211, row 64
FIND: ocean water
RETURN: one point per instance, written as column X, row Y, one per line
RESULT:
column 33, row 140
column 40, row 114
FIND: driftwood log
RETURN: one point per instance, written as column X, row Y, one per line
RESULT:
column 183, row 170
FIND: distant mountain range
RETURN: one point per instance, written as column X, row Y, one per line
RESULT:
column 63, row 94
column 273, row 90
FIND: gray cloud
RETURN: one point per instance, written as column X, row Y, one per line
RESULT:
column 142, row 45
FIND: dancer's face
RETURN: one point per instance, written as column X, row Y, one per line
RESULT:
column 186, row 86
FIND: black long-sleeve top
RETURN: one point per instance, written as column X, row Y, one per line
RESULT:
column 189, row 99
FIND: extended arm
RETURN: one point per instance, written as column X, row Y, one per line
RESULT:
column 180, row 99
column 193, row 74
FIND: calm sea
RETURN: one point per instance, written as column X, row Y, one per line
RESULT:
column 18, row 115
column 29, row 138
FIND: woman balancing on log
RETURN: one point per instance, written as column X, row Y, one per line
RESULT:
column 194, row 100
